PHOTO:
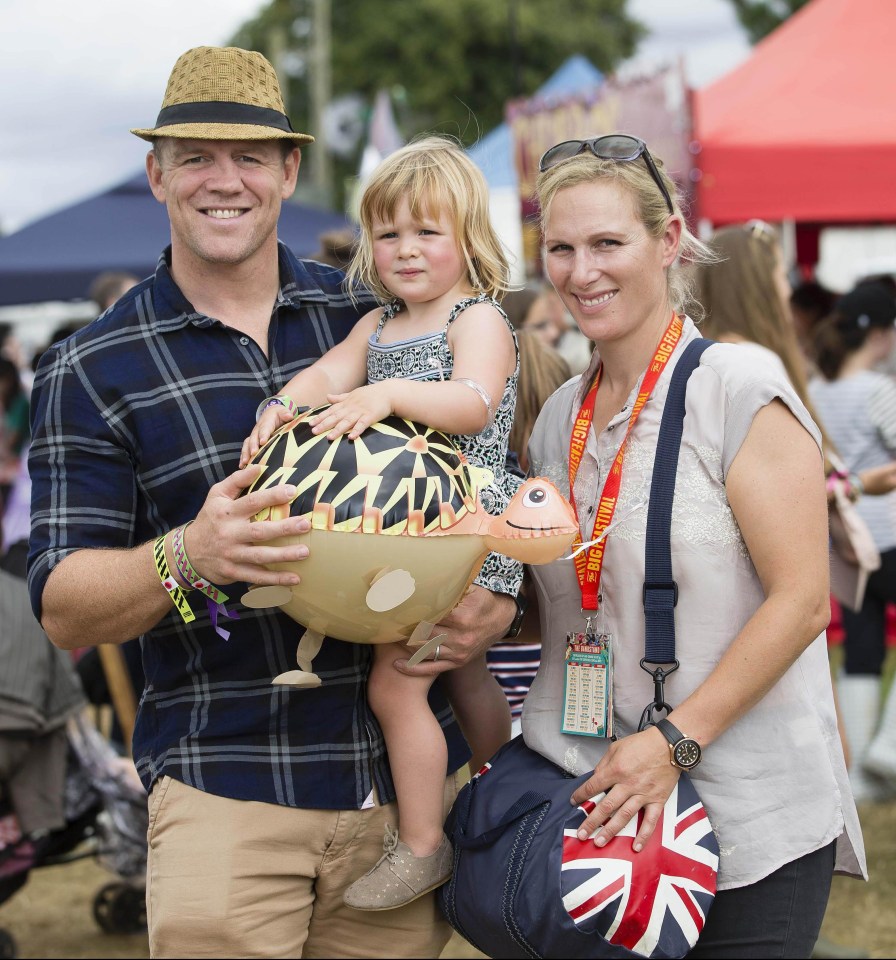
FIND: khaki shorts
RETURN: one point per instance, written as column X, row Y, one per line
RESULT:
column 237, row 878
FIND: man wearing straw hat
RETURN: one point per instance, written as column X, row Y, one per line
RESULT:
column 263, row 799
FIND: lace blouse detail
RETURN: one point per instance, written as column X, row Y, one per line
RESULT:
column 428, row 358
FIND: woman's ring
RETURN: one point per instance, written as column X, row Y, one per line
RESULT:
column 436, row 655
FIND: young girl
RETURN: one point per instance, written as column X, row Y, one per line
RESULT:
column 441, row 352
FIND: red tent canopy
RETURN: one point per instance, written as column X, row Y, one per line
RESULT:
column 805, row 130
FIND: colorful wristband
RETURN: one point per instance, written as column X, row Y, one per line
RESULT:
column 283, row 400
column 178, row 597
column 188, row 571
column 215, row 598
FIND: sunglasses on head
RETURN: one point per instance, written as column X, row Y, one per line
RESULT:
column 761, row 230
column 615, row 146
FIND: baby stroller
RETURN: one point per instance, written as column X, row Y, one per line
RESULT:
column 64, row 792
column 106, row 818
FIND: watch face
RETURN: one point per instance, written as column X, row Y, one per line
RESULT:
column 687, row 753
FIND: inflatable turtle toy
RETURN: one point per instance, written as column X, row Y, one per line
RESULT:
column 398, row 532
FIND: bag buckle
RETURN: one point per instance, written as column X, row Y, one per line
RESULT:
column 658, row 705
column 660, row 590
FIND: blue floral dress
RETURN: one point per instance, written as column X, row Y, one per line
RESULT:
column 429, row 358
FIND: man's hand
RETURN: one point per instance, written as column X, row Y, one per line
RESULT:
column 479, row 620
column 223, row 543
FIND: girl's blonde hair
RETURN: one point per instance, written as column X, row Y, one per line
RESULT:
column 437, row 177
column 650, row 205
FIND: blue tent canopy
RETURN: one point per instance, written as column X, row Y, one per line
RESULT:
column 124, row 228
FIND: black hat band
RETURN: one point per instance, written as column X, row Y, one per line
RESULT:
column 223, row 111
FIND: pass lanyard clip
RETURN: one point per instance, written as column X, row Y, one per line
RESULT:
column 659, row 706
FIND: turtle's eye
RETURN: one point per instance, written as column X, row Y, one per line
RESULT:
column 536, row 497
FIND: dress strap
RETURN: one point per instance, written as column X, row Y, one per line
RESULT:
column 389, row 311
column 462, row 305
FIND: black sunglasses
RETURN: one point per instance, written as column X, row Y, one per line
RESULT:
column 615, row 146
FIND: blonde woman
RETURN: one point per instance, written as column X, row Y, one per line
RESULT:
column 752, row 713
column 440, row 351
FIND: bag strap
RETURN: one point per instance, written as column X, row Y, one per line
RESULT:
column 660, row 593
column 524, row 804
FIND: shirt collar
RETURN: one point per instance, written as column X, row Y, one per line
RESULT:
column 173, row 310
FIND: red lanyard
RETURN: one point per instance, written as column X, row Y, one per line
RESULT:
column 589, row 562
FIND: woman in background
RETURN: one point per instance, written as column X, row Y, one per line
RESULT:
column 743, row 297
column 858, row 405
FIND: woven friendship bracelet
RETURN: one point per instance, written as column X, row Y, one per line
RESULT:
column 214, row 598
column 282, row 400
column 178, row 597
column 187, row 570
column 176, row 536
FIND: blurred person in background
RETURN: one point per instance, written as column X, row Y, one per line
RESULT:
column 551, row 322
column 14, row 426
column 514, row 664
column 109, row 287
column 858, row 406
column 810, row 303
column 743, row 297
column 336, row 247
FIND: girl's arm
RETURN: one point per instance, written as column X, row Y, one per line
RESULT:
column 776, row 490
column 341, row 368
column 484, row 353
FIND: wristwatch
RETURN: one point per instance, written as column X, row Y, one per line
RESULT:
column 685, row 751
column 516, row 625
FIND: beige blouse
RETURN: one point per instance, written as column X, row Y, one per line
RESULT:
column 774, row 784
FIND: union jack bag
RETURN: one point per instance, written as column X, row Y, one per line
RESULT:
column 524, row 885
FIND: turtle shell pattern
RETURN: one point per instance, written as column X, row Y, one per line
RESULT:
column 397, row 477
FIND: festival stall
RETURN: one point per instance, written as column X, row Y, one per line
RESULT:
column 802, row 131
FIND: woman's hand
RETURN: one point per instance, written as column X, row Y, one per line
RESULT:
column 271, row 419
column 353, row 412
column 635, row 773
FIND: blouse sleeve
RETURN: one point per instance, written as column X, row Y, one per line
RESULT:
column 882, row 411
column 749, row 382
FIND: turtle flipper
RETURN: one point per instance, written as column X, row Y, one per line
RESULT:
column 260, row 598
column 430, row 647
column 390, row 589
column 309, row 646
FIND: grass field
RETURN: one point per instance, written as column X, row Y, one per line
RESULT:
column 51, row 915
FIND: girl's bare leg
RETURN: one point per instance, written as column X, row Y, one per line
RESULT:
column 418, row 754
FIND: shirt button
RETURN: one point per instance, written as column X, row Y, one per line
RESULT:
column 244, row 341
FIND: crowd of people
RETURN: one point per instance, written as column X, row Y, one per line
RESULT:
column 266, row 803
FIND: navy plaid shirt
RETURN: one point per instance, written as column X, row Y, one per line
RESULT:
column 134, row 418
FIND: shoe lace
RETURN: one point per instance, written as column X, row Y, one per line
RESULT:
column 390, row 844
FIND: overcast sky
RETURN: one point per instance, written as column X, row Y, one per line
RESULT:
column 77, row 74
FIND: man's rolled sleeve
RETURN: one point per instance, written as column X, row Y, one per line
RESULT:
column 83, row 490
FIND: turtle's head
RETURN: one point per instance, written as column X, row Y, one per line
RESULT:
column 538, row 525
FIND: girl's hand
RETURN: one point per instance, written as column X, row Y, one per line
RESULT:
column 636, row 774
column 270, row 420
column 353, row 412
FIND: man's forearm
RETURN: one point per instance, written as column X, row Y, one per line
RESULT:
column 103, row 596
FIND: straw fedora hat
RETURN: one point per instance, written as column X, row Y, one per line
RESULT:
column 223, row 93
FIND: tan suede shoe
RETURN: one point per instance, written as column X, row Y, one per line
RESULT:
column 399, row 877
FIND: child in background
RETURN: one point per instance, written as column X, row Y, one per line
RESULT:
column 440, row 351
